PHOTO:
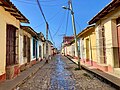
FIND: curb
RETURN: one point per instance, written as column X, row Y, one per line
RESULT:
column 28, row 77
column 22, row 78
column 107, row 78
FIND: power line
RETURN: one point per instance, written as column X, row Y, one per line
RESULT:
column 41, row 11
column 51, row 37
column 55, row 15
column 26, row 2
column 33, row 3
column 67, row 23
column 78, row 25
column 61, row 23
column 54, row 4
column 48, row 0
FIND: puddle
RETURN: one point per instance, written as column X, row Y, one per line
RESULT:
column 61, row 78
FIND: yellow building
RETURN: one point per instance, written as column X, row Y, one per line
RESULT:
column 87, row 39
column 10, row 18
column 107, row 28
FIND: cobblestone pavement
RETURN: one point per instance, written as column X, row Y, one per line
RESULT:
column 59, row 74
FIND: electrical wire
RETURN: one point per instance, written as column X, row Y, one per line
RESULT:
column 67, row 23
column 78, row 25
column 26, row 2
column 61, row 23
column 47, row 0
column 55, row 15
column 54, row 4
column 41, row 11
column 51, row 37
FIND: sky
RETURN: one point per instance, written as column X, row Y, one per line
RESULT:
column 59, row 19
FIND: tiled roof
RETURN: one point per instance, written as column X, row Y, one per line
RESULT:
column 11, row 8
column 109, row 8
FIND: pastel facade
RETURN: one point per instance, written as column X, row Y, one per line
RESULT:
column 25, row 47
column 10, row 27
column 50, row 48
column 30, row 47
column 71, row 49
column 41, row 45
column 34, row 50
column 67, row 48
column 107, row 35
column 87, row 44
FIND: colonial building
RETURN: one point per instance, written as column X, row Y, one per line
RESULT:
column 87, row 45
column 25, row 47
column 66, row 41
column 50, row 48
column 107, row 28
column 10, row 18
column 41, row 45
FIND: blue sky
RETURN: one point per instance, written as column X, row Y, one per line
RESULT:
column 84, row 10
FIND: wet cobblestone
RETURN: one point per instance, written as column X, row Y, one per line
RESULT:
column 59, row 74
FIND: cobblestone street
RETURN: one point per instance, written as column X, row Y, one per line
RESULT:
column 59, row 74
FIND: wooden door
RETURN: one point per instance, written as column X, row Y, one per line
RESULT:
column 10, row 45
column 40, row 52
column 36, row 51
column 87, row 49
column 28, row 49
column 118, row 29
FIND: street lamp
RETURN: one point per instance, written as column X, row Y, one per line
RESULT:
column 74, row 29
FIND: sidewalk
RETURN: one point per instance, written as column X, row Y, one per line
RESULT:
column 22, row 77
column 103, row 75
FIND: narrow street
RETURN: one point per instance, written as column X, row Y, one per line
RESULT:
column 59, row 74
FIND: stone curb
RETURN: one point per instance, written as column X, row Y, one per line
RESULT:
column 110, row 79
column 21, row 78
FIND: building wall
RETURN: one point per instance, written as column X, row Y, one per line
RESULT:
column 73, row 50
column 5, row 18
column 93, row 46
column 111, row 44
column 23, row 59
column 43, row 49
column 88, row 46
column 50, row 49
column 82, row 51
column 32, row 56
column 39, row 44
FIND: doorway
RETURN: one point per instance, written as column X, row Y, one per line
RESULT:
column 28, row 49
column 10, row 45
column 87, row 50
column 118, row 30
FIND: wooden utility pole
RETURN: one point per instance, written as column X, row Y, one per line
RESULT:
column 47, row 28
column 74, row 29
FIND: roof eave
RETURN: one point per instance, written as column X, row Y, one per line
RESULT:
column 104, row 11
column 9, row 6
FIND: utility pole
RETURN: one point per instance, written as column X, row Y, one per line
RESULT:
column 74, row 29
column 47, row 28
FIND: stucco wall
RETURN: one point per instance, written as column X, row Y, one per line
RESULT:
column 88, row 45
column 82, row 53
column 110, row 27
column 5, row 18
column 93, row 46
column 22, row 59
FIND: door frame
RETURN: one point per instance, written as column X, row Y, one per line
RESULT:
column 118, row 26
